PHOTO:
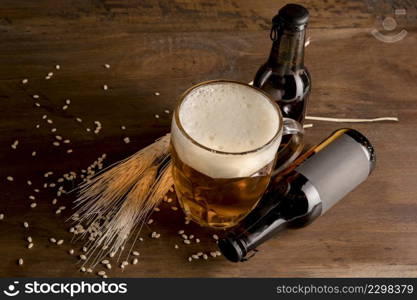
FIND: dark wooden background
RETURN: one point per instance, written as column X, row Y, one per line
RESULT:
column 166, row 46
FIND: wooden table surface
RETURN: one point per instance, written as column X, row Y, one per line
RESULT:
column 165, row 47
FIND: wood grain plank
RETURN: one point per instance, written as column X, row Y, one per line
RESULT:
column 166, row 46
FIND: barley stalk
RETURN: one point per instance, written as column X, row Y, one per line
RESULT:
column 160, row 188
column 118, row 201
column 118, row 228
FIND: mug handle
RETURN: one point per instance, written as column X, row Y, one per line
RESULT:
column 295, row 147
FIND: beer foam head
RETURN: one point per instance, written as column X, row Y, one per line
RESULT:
column 227, row 117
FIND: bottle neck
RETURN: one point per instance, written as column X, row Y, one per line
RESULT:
column 261, row 224
column 263, row 232
column 241, row 246
column 287, row 53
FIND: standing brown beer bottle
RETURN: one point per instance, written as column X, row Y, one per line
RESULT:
column 284, row 76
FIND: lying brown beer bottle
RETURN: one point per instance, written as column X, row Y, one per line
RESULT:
column 284, row 75
column 304, row 191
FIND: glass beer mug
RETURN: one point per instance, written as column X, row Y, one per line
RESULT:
column 224, row 141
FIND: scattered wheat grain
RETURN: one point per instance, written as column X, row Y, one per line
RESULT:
column 15, row 143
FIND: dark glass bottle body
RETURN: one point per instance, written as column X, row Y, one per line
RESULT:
column 284, row 75
column 308, row 188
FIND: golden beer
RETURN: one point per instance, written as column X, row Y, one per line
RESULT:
column 217, row 202
column 224, row 139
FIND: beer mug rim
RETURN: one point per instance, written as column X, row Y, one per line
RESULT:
column 184, row 95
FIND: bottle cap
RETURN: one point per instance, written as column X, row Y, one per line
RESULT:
column 292, row 15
